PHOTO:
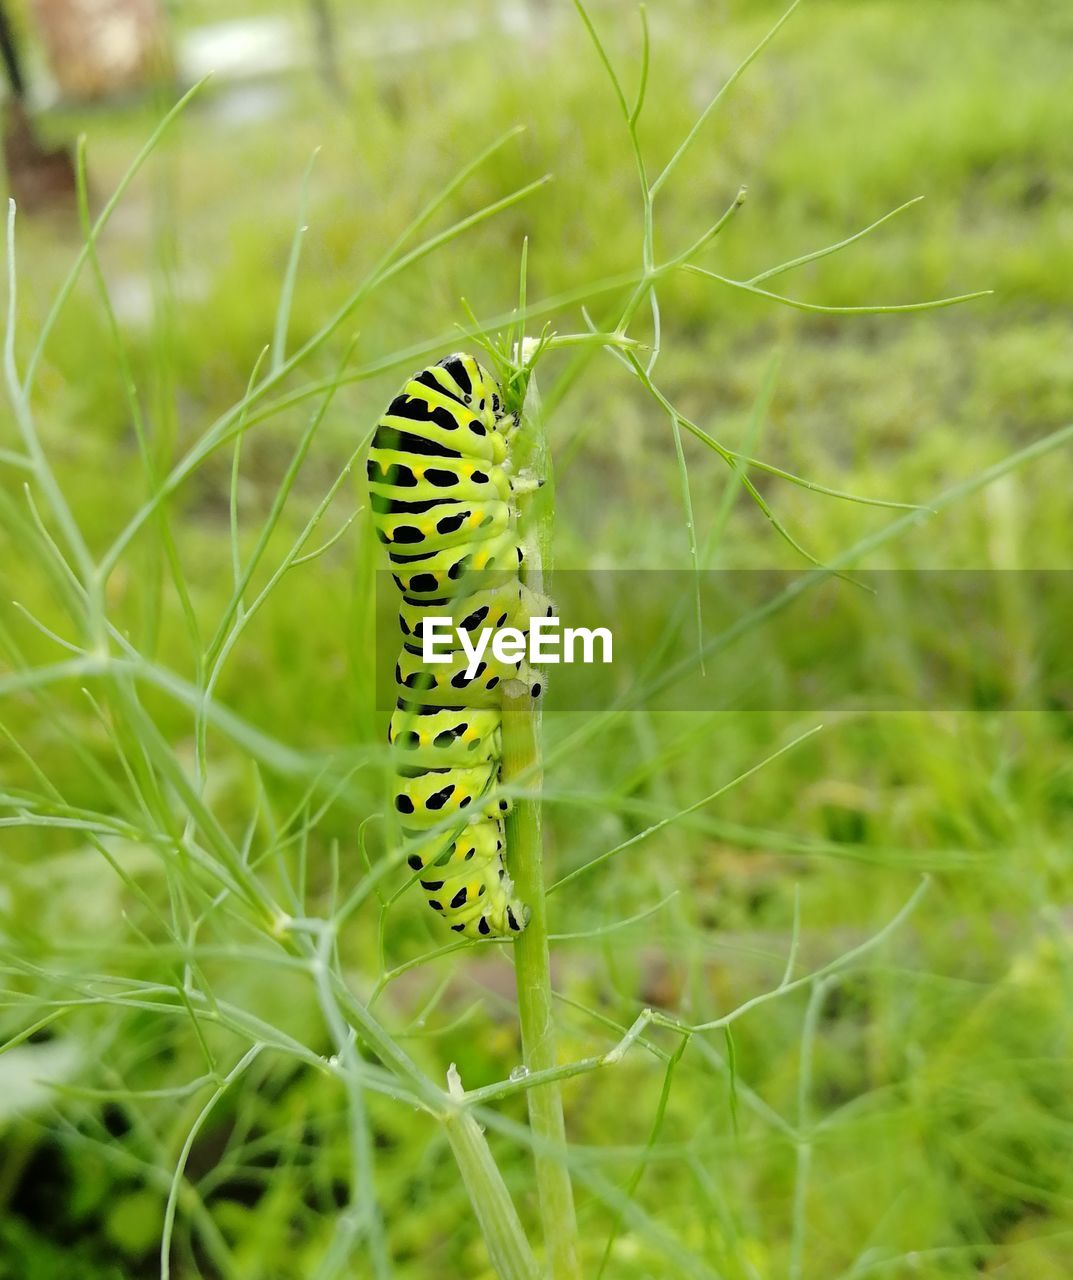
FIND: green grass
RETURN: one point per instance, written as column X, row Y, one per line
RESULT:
column 906, row 1116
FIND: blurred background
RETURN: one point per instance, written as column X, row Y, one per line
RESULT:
column 937, row 1112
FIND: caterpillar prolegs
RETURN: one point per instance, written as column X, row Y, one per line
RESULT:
column 442, row 491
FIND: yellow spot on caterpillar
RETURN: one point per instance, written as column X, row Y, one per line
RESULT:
column 480, row 560
column 419, row 472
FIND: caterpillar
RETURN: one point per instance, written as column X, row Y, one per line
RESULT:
column 442, row 492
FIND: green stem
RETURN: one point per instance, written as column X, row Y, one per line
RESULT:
column 533, row 975
column 504, row 1237
column 502, row 1231
column 497, row 1217
column 521, row 763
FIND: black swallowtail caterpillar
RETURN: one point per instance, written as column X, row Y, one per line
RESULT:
column 442, row 491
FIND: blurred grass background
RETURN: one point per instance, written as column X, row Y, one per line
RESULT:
column 939, row 1118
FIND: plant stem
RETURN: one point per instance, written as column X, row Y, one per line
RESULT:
column 521, row 762
column 533, row 975
column 503, row 1235
column 500, row 1225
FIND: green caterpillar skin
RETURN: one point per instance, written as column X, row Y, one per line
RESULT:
column 443, row 503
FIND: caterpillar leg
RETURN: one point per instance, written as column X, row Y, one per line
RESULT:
column 533, row 680
column 531, row 604
column 525, row 482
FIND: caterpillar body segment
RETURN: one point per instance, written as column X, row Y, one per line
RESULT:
column 442, row 495
column 500, row 605
column 466, row 881
column 465, row 678
column 432, row 575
